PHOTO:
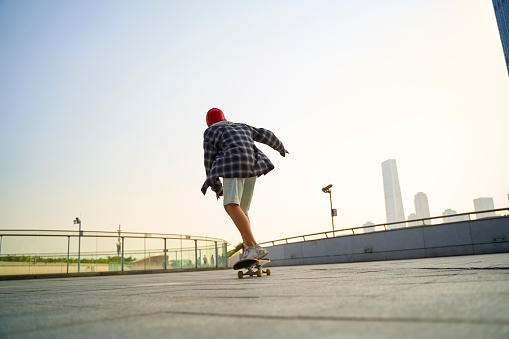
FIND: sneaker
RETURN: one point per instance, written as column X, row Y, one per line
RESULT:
column 254, row 252
column 248, row 253
column 261, row 252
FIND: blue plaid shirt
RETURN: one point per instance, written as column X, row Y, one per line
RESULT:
column 230, row 152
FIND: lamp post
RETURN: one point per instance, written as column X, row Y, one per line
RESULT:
column 78, row 221
column 333, row 211
column 119, row 246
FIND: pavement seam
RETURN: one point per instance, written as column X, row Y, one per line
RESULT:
column 344, row 318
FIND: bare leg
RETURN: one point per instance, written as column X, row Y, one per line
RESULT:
column 242, row 222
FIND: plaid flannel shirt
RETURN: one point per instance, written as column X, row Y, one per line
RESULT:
column 230, row 152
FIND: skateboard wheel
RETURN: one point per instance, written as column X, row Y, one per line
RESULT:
column 268, row 271
column 240, row 275
column 259, row 273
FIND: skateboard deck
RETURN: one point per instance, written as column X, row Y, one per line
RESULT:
column 254, row 267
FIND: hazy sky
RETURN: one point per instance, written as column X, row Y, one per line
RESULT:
column 103, row 103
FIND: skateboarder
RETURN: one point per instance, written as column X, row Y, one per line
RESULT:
column 230, row 153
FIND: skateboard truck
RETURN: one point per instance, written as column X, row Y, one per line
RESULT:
column 254, row 267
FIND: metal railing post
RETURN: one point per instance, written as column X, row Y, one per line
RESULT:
column 215, row 242
column 196, row 254
column 68, row 250
column 165, row 256
column 225, row 254
column 79, row 249
column 1, row 238
column 122, row 254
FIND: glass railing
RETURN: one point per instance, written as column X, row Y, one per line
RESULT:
column 25, row 252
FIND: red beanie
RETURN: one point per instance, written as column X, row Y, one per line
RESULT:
column 214, row 115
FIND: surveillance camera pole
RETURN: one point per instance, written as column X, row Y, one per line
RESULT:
column 331, row 214
column 327, row 189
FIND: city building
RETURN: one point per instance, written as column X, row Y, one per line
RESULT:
column 413, row 216
column 422, row 207
column 367, row 229
column 455, row 218
column 502, row 14
column 393, row 202
column 484, row 204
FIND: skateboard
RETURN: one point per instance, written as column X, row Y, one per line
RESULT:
column 254, row 267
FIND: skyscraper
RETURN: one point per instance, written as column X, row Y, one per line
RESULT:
column 422, row 207
column 483, row 204
column 502, row 14
column 393, row 203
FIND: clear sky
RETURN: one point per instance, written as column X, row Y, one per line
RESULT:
column 103, row 103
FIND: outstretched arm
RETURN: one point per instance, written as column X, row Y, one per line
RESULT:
column 268, row 138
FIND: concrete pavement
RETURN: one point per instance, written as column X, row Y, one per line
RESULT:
column 451, row 297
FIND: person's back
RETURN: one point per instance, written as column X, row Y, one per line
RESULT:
column 231, row 149
column 234, row 143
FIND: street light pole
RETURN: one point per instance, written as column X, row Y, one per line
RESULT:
column 119, row 242
column 78, row 221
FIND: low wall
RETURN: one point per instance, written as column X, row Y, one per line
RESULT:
column 482, row 236
column 20, row 268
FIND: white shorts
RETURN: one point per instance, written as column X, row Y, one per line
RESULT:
column 238, row 191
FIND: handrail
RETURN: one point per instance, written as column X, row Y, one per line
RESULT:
column 111, row 234
column 352, row 229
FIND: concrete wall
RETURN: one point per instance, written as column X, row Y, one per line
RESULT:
column 482, row 236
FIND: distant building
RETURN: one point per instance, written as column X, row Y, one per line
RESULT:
column 393, row 202
column 422, row 207
column 502, row 14
column 366, row 230
column 150, row 263
column 413, row 216
column 484, row 204
column 455, row 218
